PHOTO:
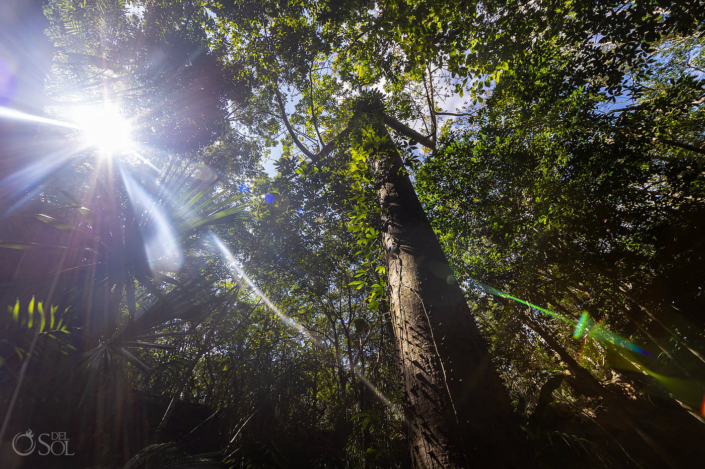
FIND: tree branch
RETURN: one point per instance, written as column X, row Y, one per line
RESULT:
column 330, row 146
column 673, row 143
column 313, row 112
column 666, row 141
column 298, row 143
column 454, row 114
column 409, row 132
column 431, row 102
column 327, row 148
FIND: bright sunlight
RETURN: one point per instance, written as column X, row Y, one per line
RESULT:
column 104, row 128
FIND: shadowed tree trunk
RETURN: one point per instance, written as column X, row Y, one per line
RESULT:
column 457, row 410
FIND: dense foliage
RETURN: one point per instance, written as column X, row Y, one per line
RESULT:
column 175, row 305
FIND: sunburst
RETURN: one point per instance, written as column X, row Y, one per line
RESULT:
column 105, row 129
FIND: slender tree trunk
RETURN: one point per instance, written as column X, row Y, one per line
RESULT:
column 457, row 410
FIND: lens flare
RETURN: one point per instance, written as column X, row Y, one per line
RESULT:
column 585, row 323
column 104, row 128
column 580, row 328
column 145, row 161
column 8, row 83
column 236, row 270
column 25, row 183
column 13, row 114
column 160, row 242
column 687, row 392
column 204, row 173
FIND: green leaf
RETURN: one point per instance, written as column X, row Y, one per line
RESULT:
column 16, row 311
column 52, row 315
column 27, row 246
column 43, row 323
column 53, row 222
column 238, row 213
column 185, row 209
column 18, row 246
column 131, row 358
column 218, row 205
column 30, row 311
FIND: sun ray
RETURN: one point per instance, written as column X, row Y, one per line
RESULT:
column 161, row 244
column 292, row 323
column 13, row 114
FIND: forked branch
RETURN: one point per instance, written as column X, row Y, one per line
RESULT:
column 315, row 157
column 298, row 143
column 330, row 146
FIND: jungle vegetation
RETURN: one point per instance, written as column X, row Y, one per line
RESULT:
column 352, row 234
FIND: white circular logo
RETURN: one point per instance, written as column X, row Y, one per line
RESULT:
column 32, row 443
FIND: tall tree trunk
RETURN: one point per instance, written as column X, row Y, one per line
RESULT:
column 457, row 409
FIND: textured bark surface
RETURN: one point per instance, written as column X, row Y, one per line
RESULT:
column 457, row 410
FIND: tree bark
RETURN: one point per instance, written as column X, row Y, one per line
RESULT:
column 457, row 410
